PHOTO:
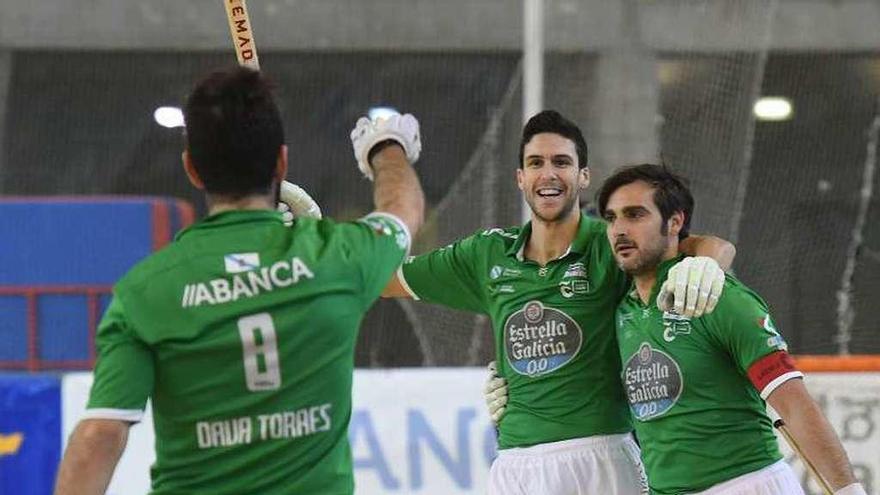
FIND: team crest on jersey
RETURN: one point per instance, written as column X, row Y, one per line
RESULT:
column 653, row 382
column 241, row 262
column 675, row 325
column 571, row 288
column 539, row 340
column 574, row 281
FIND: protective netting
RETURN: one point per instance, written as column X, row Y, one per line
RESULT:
column 811, row 224
column 481, row 196
column 675, row 80
column 798, row 197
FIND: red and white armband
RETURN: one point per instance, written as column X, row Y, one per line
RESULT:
column 771, row 371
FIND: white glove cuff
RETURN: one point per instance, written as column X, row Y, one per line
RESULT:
column 384, row 142
column 853, row 489
column 365, row 161
column 408, row 148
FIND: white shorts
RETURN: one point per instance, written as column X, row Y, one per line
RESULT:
column 598, row 465
column 775, row 479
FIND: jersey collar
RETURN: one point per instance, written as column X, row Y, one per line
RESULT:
column 578, row 245
column 231, row 217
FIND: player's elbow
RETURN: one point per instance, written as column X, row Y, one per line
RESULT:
column 727, row 254
column 395, row 288
column 102, row 435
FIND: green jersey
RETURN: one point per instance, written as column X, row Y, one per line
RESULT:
column 691, row 385
column 553, row 326
column 242, row 333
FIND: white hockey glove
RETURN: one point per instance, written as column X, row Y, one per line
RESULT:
column 294, row 202
column 404, row 129
column 495, row 393
column 692, row 288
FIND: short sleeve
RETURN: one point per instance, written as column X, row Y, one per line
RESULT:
column 744, row 326
column 124, row 370
column 447, row 276
column 377, row 244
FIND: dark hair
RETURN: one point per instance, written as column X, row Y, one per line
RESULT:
column 553, row 121
column 234, row 132
column 671, row 193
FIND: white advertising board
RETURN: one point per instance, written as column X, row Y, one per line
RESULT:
column 425, row 430
column 417, row 430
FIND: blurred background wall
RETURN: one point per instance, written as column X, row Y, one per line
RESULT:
column 648, row 80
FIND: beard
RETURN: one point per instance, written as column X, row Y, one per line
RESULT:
column 569, row 203
column 645, row 258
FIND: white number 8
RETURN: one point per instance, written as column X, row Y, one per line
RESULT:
column 258, row 341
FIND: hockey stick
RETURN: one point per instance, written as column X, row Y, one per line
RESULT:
column 780, row 425
column 242, row 35
column 298, row 202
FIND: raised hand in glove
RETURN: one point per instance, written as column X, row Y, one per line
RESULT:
column 402, row 129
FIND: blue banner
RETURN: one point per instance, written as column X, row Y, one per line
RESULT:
column 30, row 433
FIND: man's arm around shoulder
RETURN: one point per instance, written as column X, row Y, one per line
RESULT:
column 713, row 247
column 395, row 288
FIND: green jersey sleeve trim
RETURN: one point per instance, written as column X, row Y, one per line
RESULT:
column 779, row 380
column 130, row 415
column 403, row 283
column 389, row 224
column 377, row 247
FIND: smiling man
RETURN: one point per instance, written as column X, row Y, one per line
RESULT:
column 550, row 288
